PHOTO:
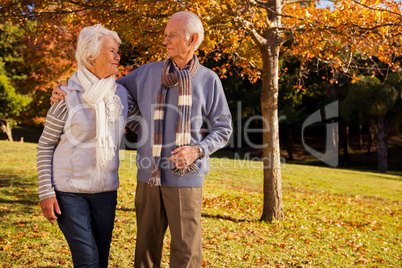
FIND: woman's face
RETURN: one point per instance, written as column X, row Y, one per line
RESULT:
column 107, row 63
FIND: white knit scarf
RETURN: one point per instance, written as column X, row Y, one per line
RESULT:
column 100, row 94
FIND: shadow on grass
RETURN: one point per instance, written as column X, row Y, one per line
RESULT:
column 8, row 178
column 228, row 218
column 205, row 215
column 28, row 199
column 126, row 209
column 17, row 193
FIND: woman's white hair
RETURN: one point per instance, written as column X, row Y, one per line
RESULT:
column 90, row 42
column 191, row 24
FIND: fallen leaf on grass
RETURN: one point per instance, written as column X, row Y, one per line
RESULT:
column 362, row 261
column 378, row 259
column 18, row 235
column 244, row 258
column 64, row 251
column 281, row 245
column 6, row 247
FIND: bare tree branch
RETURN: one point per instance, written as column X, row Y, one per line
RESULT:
column 259, row 3
column 259, row 40
column 297, row 1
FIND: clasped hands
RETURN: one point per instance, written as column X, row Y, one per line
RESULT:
column 184, row 156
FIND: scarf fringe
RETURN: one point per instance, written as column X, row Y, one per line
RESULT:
column 155, row 179
column 185, row 171
column 105, row 152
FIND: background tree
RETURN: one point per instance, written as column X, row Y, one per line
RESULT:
column 372, row 99
column 47, row 61
column 12, row 103
column 299, row 96
column 45, row 48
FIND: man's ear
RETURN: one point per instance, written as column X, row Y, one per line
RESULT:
column 194, row 38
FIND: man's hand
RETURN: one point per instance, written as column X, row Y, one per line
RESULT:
column 184, row 156
column 49, row 207
column 57, row 93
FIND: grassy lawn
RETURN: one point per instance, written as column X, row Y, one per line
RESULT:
column 334, row 217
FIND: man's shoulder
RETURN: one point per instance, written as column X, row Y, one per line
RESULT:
column 152, row 68
column 73, row 85
column 204, row 73
column 121, row 91
column 155, row 65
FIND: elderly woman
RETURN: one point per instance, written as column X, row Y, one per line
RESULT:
column 77, row 155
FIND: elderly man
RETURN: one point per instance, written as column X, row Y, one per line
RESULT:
column 175, row 98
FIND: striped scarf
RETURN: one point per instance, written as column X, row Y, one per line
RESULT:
column 182, row 78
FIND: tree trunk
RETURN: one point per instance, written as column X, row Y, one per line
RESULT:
column 289, row 143
column 269, row 44
column 382, row 145
column 6, row 128
column 345, row 142
column 360, row 135
column 371, row 135
column 273, row 206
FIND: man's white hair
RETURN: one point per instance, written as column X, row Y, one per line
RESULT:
column 90, row 42
column 191, row 24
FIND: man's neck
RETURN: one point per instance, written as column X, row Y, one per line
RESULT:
column 181, row 63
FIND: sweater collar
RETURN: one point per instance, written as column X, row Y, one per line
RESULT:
column 74, row 83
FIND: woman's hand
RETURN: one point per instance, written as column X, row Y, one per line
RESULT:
column 57, row 93
column 49, row 207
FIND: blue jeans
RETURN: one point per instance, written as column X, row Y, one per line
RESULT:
column 87, row 222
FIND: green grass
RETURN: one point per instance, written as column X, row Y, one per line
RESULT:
column 334, row 217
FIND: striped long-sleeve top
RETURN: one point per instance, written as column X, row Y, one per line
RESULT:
column 56, row 119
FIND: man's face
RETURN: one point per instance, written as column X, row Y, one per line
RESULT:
column 179, row 49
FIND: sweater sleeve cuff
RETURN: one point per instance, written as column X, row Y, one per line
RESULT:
column 49, row 194
column 204, row 148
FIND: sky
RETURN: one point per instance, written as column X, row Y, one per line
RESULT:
column 324, row 3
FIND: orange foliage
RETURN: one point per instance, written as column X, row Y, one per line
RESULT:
column 362, row 29
column 350, row 31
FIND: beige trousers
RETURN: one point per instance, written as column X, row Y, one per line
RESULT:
column 160, row 207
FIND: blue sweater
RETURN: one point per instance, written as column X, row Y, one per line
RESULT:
column 209, row 105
